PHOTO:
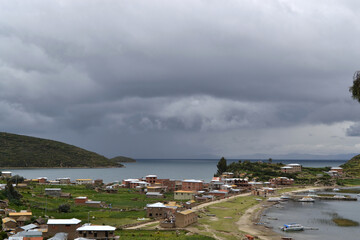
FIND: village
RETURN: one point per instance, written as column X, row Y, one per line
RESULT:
column 75, row 209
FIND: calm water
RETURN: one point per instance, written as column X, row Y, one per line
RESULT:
column 318, row 215
column 164, row 168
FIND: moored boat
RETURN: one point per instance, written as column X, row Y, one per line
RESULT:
column 307, row 199
column 292, row 227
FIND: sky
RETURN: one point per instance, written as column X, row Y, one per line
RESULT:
column 182, row 78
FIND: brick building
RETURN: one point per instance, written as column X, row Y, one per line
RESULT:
column 68, row 226
column 98, row 232
column 192, row 185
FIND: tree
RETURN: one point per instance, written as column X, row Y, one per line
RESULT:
column 270, row 160
column 11, row 193
column 221, row 166
column 355, row 88
column 65, row 208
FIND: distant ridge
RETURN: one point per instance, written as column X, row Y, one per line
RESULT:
column 122, row 159
column 21, row 151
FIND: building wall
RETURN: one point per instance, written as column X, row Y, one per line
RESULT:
column 96, row 234
column 184, row 220
column 153, row 212
column 70, row 229
column 192, row 186
column 183, row 196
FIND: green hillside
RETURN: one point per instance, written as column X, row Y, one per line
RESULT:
column 352, row 167
column 24, row 151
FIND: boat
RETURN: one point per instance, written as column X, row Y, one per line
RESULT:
column 307, row 199
column 285, row 197
column 336, row 189
column 274, row 199
column 292, row 227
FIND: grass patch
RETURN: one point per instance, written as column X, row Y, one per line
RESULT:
column 343, row 222
column 127, row 204
column 223, row 224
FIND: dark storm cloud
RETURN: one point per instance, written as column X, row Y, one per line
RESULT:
column 156, row 68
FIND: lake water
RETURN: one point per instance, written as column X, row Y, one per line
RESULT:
column 165, row 168
column 317, row 215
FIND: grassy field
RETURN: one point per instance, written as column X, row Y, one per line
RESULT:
column 159, row 235
column 127, row 204
column 220, row 219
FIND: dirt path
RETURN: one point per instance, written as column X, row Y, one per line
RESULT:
column 142, row 225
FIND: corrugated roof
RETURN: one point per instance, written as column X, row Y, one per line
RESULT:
column 64, row 221
column 96, row 228
column 15, row 214
column 186, row 212
column 7, row 219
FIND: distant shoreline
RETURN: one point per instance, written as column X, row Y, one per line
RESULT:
column 60, row 167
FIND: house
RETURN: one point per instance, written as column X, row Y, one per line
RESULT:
column 9, row 224
column 151, row 179
column 98, row 232
column 65, row 180
column 26, row 216
column 339, row 170
column 291, row 168
column 84, row 181
column 185, row 218
column 6, row 174
column 154, row 195
column 59, row 236
column 87, row 202
column 27, row 235
column 282, row 181
column 192, row 185
column 219, row 193
column 169, row 184
column 42, row 180
column 54, row 192
column 4, row 203
column 68, row 226
column 91, row 203
column 227, row 175
column 156, row 210
column 184, row 195
column 80, row 200
column 27, row 227
column 266, row 191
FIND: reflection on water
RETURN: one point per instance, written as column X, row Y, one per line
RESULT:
column 319, row 214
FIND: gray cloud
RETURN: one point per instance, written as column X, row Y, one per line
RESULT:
column 166, row 71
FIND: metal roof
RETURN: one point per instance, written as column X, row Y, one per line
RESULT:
column 96, row 228
column 64, row 221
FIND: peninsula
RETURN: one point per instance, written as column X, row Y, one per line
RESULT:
column 31, row 152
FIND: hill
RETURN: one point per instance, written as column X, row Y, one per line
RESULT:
column 24, row 151
column 122, row 159
column 352, row 167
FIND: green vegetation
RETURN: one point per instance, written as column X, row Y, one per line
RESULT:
column 159, row 235
column 355, row 88
column 122, row 159
column 352, row 167
column 126, row 206
column 220, row 219
column 221, row 166
column 343, row 222
column 24, row 151
column 263, row 171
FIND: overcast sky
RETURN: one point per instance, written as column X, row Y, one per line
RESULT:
column 182, row 78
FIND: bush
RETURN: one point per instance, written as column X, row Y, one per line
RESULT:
column 64, row 208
